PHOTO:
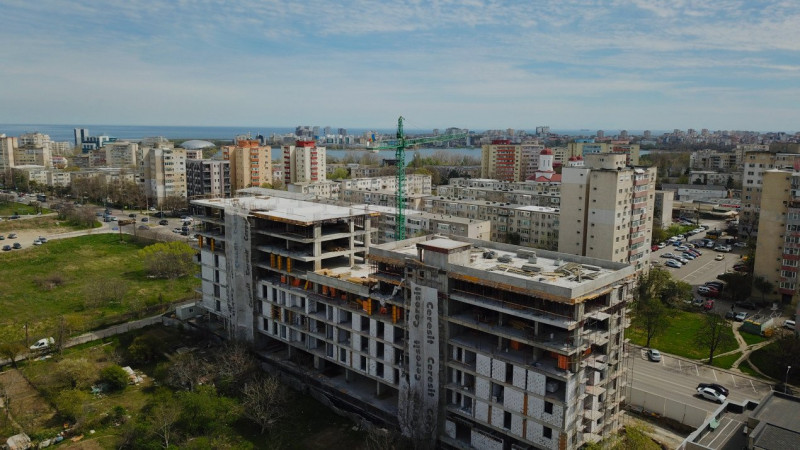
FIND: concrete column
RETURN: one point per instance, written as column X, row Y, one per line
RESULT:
column 289, row 351
column 347, row 375
column 379, row 388
column 319, row 363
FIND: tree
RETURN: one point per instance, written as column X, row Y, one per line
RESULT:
column 186, row 371
column 168, row 259
column 73, row 404
column 762, row 285
column 714, row 334
column 204, row 412
column 233, row 363
column 144, row 348
column 10, row 351
column 264, row 401
column 104, row 291
column 174, row 203
column 115, row 376
column 76, row 373
column 738, row 286
column 339, row 173
column 650, row 313
column 163, row 415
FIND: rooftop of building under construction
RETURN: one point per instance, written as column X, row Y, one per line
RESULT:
column 560, row 274
column 284, row 209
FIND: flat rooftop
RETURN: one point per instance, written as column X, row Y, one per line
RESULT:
column 286, row 209
column 554, row 269
column 391, row 210
column 508, row 205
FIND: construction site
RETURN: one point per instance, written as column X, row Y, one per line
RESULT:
column 453, row 341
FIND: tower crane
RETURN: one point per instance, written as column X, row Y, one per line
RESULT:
column 399, row 146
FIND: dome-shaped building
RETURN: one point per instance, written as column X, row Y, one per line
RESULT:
column 196, row 144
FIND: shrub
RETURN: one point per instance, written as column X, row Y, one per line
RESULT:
column 115, row 376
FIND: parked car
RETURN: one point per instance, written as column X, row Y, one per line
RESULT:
column 717, row 387
column 707, row 291
column 43, row 343
column 746, row 305
column 723, row 248
column 682, row 260
column 741, row 268
column 145, row 219
column 711, row 394
column 16, row 246
column 688, row 256
column 740, row 316
column 708, row 305
column 719, row 257
column 740, row 244
column 672, row 263
column 37, row 242
column 132, row 215
column 653, row 355
column 718, row 285
column 654, row 248
column 176, row 230
column 42, row 239
column 789, row 323
column 681, row 248
column 730, row 315
column 662, row 245
column 12, row 235
column 668, row 255
column 6, row 248
column 163, row 222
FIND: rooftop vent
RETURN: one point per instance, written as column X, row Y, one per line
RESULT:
column 504, row 259
column 489, row 254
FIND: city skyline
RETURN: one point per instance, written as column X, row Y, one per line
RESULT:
column 478, row 65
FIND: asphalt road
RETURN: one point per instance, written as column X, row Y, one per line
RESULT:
column 677, row 379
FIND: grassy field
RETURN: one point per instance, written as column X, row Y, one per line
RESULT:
column 49, row 224
column 40, row 285
column 725, row 362
column 679, row 338
column 745, row 368
column 764, row 359
column 752, row 338
column 22, row 209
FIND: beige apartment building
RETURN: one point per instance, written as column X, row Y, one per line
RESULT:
column 303, row 162
column 7, row 146
column 162, row 171
column 778, row 246
column 120, row 154
column 607, row 210
column 250, row 164
column 755, row 164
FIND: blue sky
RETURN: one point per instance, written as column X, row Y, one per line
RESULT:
column 601, row 64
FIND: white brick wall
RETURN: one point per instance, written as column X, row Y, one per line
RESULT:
column 498, row 370
column 513, row 400
column 356, row 323
column 519, row 377
column 481, row 441
column 536, row 382
column 517, row 425
column 483, row 388
column 482, row 411
column 497, row 416
column 483, row 365
column 450, row 429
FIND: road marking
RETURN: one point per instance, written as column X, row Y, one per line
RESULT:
column 697, row 370
column 715, row 374
column 734, row 380
column 754, row 387
column 679, row 366
column 720, row 433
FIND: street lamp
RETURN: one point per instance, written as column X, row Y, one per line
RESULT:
column 786, row 379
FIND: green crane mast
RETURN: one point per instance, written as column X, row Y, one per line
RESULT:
column 399, row 147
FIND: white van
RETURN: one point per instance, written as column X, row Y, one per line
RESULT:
column 789, row 324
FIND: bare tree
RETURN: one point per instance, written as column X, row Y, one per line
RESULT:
column 186, row 371
column 264, row 401
column 163, row 417
column 233, row 362
column 383, row 439
column 104, row 291
column 714, row 334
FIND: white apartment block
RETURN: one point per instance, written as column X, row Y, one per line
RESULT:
column 419, row 223
column 607, row 210
column 414, row 184
column 7, row 146
column 324, row 189
column 303, row 162
column 755, row 164
column 526, row 193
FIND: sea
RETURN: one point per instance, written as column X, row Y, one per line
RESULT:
column 61, row 133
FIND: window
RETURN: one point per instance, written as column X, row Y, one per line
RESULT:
column 548, row 407
column 547, row 432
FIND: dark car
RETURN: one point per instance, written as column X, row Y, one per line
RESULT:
column 16, row 246
column 131, row 215
column 14, row 217
column 163, row 222
column 717, row 387
column 6, row 248
column 746, row 305
column 160, row 214
column 145, row 219
column 718, row 285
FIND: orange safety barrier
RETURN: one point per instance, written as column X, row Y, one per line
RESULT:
column 280, row 262
column 200, row 241
column 514, row 345
column 333, row 292
column 296, row 282
column 394, row 313
column 308, row 283
column 588, row 352
column 324, row 290
column 272, row 259
column 283, row 278
column 383, row 310
column 288, row 264
column 563, row 362
column 211, row 243
column 368, row 306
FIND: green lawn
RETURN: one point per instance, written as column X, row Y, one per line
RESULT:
column 725, row 362
column 765, row 357
column 40, row 285
column 745, row 367
column 679, row 338
column 752, row 338
column 22, row 209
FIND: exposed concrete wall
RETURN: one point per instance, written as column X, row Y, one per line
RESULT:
column 672, row 409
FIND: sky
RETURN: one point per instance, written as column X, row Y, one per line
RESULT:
column 477, row 64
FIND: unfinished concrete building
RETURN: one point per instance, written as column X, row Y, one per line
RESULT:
column 455, row 341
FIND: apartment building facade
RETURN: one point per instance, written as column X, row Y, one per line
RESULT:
column 525, row 193
column 304, row 162
column 207, row 178
column 607, row 210
column 120, row 154
column 7, row 146
column 162, row 173
column 462, row 342
column 777, row 257
column 250, row 164
column 755, row 164
column 530, row 226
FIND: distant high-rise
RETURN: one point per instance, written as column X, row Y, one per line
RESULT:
column 648, row 134
column 303, row 162
column 250, row 164
column 80, row 135
column 601, row 134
